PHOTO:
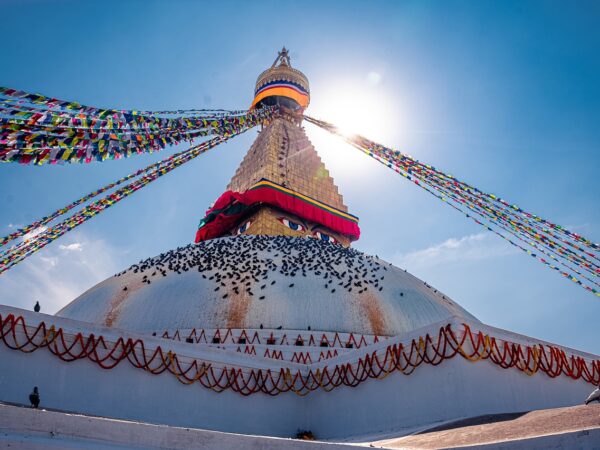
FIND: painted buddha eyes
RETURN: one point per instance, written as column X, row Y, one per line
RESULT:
column 320, row 235
column 291, row 224
column 324, row 237
column 244, row 227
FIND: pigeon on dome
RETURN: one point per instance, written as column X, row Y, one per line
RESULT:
column 34, row 398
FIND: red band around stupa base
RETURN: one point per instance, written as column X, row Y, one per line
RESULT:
column 231, row 206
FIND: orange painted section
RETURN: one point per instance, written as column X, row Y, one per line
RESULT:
column 302, row 99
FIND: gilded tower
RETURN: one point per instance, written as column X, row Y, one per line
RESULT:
column 281, row 187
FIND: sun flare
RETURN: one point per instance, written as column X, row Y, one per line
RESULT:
column 354, row 109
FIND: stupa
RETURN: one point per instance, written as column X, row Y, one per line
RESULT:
column 272, row 323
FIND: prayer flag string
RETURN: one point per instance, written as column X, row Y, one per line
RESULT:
column 35, row 129
column 564, row 251
column 38, row 235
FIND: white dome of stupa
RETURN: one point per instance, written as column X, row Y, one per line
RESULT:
column 270, row 281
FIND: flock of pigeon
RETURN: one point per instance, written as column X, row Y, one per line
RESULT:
column 245, row 262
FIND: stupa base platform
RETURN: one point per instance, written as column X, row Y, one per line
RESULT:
column 378, row 387
column 38, row 429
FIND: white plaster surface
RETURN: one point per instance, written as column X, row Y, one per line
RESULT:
column 37, row 429
column 456, row 388
column 25, row 428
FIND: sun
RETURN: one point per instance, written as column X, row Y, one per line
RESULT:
column 354, row 109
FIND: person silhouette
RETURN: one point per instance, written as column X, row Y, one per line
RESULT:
column 34, row 398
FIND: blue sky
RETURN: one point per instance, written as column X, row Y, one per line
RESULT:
column 504, row 95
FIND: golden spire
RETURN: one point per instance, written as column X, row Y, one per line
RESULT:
column 282, row 187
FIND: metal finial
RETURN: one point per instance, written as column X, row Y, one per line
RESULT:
column 283, row 58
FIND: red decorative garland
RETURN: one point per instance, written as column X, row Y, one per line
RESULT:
column 473, row 346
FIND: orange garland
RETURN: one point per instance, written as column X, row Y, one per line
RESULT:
column 473, row 346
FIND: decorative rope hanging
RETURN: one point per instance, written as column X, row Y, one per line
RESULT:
column 35, row 129
column 431, row 349
column 22, row 98
column 566, row 252
column 59, row 212
column 42, row 236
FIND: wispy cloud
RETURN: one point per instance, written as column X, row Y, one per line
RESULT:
column 75, row 246
column 473, row 247
column 58, row 274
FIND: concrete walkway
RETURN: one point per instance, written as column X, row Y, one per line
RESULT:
column 576, row 427
column 26, row 428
